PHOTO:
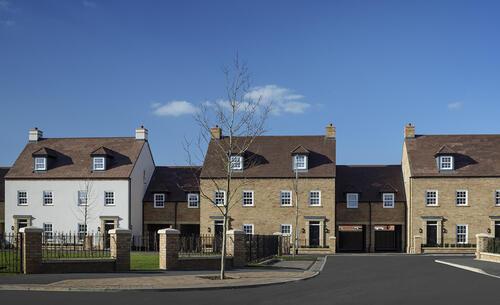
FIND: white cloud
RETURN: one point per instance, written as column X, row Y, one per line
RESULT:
column 455, row 105
column 89, row 4
column 282, row 100
column 174, row 108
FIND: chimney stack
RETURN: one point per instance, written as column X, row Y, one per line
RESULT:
column 330, row 131
column 35, row 135
column 409, row 131
column 141, row 133
column 216, row 132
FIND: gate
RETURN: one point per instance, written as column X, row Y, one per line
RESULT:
column 11, row 252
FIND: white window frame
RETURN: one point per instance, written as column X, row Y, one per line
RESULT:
column 51, row 232
column 295, row 162
column 427, row 198
column 388, row 203
column 236, row 162
column 196, row 201
column 354, row 199
column 283, row 225
column 252, row 198
column 80, row 198
column 157, row 199
column 42, row 166
column 24, row 198
column 466, row 198
column 466, row 234
column 449, row 163
column 497, row 198
column 97, row 166
column 106, row 198
column 290, row 198
column 217, row 199
column 248, row 225
column 46, row 198
column 81, row 234
column 319, row 198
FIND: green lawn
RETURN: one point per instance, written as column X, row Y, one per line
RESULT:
column 9, row 261
column 144, row 261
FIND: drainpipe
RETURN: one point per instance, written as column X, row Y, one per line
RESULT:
column 369, row 226
column 175, row 215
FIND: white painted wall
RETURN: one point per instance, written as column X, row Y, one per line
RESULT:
column 139, row 181
column 65, row 214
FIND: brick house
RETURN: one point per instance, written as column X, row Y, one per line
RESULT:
column 54, row 180
column 172, row 200
column 370, row 208
column 3, row 172
column 452, row 184
column 264, row 197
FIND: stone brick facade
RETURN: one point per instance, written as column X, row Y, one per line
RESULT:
column 267, row 214
column 166, row 216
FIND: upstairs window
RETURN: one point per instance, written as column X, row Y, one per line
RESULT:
column 248, row 198
column 461, row 197
column 48, row 198
column 159, row 200
column 22, row 198
column 431, row 198
column 352, row 201
column 388, row 200
column 445, row 163
column 193, row 200
column 497, row 197
column 286, row 198
column 82, row 198
column 237, row 162
column 315, row 198
column 109, row 198
column 40, row 164
column 300, row 162
column 220, row 198
column 99, row 163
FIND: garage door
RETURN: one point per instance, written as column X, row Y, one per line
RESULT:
column 351, row 238
column 387, row 238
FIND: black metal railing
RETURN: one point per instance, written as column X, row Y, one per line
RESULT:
column 493, row 245
column 449, row 245
column 11, row 252
column 75, row 246
column 259, row 247
column 149, row 242
column 195, row 245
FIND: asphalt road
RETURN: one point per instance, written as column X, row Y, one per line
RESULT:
column 345, row 280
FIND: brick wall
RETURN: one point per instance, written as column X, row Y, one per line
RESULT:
column 78, row 266
column 166, row 215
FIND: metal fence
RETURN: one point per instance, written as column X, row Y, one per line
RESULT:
column 259, row 247
column 75, row 246
column 449, row 245
column 494, row 245
column 11, row 253
column 200, row 245
column 148, row 242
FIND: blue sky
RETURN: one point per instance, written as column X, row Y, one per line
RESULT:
column 98, row 68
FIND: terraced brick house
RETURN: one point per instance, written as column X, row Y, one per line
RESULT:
column 55, row 180
column 173, row 200
column 263, row 187
column 3, row 172
column 370, row 208
column 452, row 184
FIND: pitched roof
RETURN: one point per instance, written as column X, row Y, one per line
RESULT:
column 370, row 181
column 445, row 150
column 300, row 150
column 175, row 181
column 3, row 172
column 270, row 157
column 73, row 158
column 102, row 151
column 44, row 151
column 474, row 155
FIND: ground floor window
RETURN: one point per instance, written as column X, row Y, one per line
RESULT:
column 82, row 230
column 286, row 229
column 461, row 234
column 47, row 231
column 248, row 228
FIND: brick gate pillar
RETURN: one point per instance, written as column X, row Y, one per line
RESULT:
column 169, row 248
column 32, row 249
column 120, row 248
column 235, row 247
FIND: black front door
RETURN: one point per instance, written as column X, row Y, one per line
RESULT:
column 431, row 233
column 497, row 229
column 108, row 225
column 314, row 234
column 219, row 229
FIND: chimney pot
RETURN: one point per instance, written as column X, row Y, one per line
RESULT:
column 35, row 134
column 141, row 133
column 216, row 132
column 409, row 131
column 330, row 131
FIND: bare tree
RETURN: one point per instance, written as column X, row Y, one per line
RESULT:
column 296, row 194
column 242, row 118
column 85, row 207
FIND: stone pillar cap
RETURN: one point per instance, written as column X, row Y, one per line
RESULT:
column 278, row 233
column 31, row 230
column 169, row 231
column 333, row 237
column 120, row 231
column 235, row 232
column 484, row 235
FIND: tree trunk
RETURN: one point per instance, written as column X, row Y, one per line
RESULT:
column 223, row 250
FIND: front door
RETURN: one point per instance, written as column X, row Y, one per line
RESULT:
column 219, row 229
column 21, row 223
column 314, row 234
column 108, row 225
column 497, row 229
column 431, row 233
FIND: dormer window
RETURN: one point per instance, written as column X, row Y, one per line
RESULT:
column 40, row 163
column 445, row 163
column 99, row 163
column 300, row 162
column 237, row 162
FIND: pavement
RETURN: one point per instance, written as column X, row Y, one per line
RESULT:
column 473, row 265
column 345, row 280
column 277, row 273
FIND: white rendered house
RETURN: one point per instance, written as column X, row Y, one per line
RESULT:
column 61, row 184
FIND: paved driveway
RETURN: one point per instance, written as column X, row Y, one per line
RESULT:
column 345, row 280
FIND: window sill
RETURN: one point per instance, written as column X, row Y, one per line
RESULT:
column 462, row 205
column 48, row 205
column 248, row 206
column 110, row 205
column 315, row 205
column 432, row 206
column 286, row 206
column 388, row 207
column 158, row 207
column 196, row 207
column 22, row 205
